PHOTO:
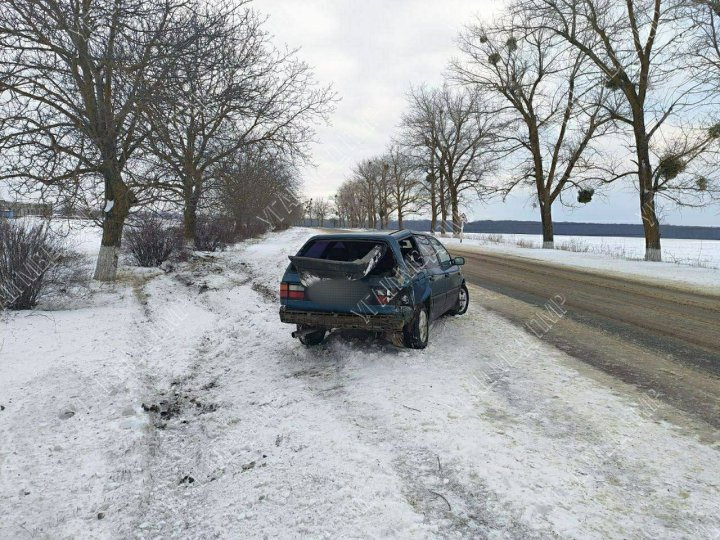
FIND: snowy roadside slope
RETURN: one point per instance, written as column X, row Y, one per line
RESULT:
column 487, row 433
column 72, row 430
column 695, row 278
column 248, row 448
column 358, row 438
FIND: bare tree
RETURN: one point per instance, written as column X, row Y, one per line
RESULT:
column 321, row 208
column 384, row 192
column 419, row 136
column 704, row 41
column 379, row 187
column 232, row 90
column 429, row 196
column 635, row 47
column 258, row 190
column 368, row 175
column 403, row 183
column 557, row 110
column 350, row 204
column 468, row 131
column 459, row 129
column 75, row 78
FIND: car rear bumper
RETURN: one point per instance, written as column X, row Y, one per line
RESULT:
column 359, row 321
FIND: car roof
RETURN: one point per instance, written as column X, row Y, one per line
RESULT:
column 367, row 235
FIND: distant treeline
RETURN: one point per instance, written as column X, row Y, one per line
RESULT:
column 565, row 228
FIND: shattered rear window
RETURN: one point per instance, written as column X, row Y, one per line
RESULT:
column 349, row 250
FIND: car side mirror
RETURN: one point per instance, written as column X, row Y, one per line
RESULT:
column 458, row 261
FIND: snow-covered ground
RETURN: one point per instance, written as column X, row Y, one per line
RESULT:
column 701, row 253
column 177, row 405
column 704, row 277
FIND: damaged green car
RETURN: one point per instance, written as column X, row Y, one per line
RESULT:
column 395, row 283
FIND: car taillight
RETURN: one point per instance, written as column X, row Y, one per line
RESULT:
column 383, row 296
column 292, row 291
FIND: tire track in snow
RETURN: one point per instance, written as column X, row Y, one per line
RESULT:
column 178, row 396
column 601, row 457
column 247, row 424
column 427, row 474
column 506, row 453
column 616, row 483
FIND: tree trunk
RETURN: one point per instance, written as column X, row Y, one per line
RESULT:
column 189, row 223
column 443, row 206
column 542, row 190
column 455, row 207
column 651, row 224
column 547, row 225
column 433, row 206
column 118, row 201
column 400, row 218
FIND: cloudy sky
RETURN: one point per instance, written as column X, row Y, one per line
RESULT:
column 373, row 51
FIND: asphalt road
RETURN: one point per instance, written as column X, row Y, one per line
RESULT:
column 661, row 338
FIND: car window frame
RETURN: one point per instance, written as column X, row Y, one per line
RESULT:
column 439, row 247
column 434, row 262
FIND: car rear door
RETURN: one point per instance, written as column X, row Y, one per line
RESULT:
column 451, row 275
column 436, row 276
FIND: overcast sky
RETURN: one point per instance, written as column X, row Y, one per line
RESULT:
column 373, row 51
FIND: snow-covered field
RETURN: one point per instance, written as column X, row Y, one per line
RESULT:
column 177, row 405
column 702, row 253
column 704, row 277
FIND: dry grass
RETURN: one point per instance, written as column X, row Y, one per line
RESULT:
column 494, row 239
column 698, row 262
column 524, row 243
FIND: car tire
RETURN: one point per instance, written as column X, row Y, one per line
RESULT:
column 417, row 332
column 463, row 301
column 313, row 338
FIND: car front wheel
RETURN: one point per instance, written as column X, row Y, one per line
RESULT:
column 463, row 301
column 417, row 332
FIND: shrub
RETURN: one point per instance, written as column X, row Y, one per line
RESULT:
column 257, row 228
column 28, row 256
column 575, row 245
column 495, row 238
column 215, row 234
column 151, row 243
column 524, row 243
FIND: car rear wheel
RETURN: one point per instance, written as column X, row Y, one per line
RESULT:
column 463, row 301
column 313, row 338
column 417, row 332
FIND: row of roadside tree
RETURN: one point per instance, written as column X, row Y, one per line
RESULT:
column 117, row 107
column 560, row 97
